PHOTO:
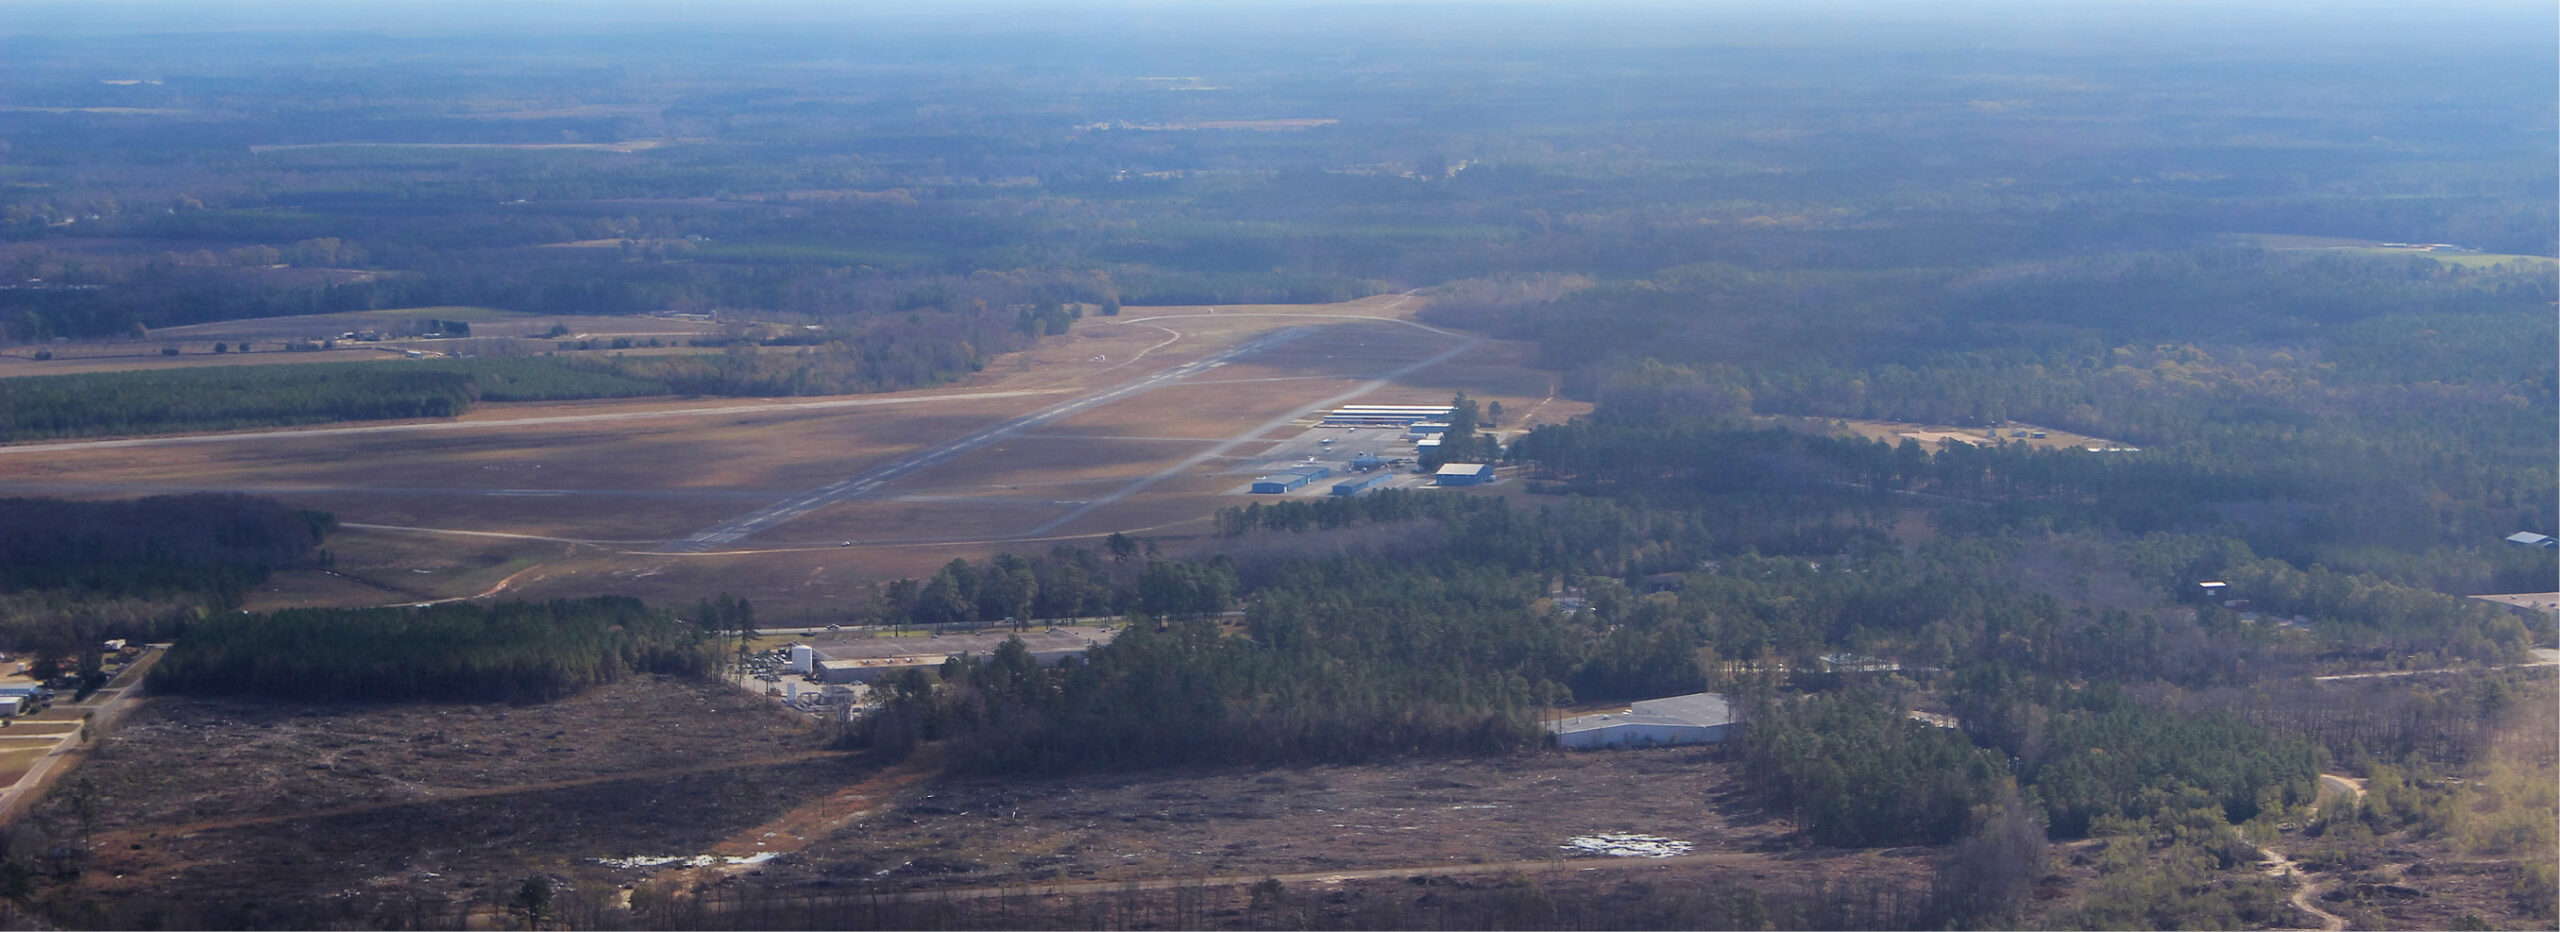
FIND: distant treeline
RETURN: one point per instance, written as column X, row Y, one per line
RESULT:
column 510, row 651
column 2373, row 415
column 202, row 543
column 247, row 396
column 224, row 398
column 73, row 574
column 1243, row 288
column 2335, row 506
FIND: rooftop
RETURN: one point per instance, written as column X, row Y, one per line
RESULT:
column 2546, row 601
column 850, row 646
column 1702, row 710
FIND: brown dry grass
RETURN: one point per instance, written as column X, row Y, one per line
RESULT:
column 16, row 761
column 457, row 803
column 626, row 485
column 204, row 798
column 1284, row 821
column 178, row 760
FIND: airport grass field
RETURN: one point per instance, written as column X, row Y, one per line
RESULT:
column 564, row 499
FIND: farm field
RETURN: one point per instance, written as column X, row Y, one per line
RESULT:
column 1146, row 423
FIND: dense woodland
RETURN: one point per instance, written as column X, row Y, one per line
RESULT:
column 2383, row 416
column 509, row 651
column 1751, row 241
column 212, row 543
column 74, row 574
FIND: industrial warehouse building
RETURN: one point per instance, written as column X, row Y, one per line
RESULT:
column 862, row 659
column 1382, row 415
column 1362, row 484
column 1289, row 480
column 1697, row 718
column 1463, row 474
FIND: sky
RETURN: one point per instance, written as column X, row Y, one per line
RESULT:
column 2041, row 24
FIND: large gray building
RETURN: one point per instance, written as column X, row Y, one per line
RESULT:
column 857, row 658
column 1697, row 718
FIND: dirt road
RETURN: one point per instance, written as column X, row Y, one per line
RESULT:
column 2306, row 892
column 102, row 709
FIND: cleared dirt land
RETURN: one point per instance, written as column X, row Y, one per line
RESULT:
column 1147, row 422
column 200, row 799
column 1249, row 822
column 370, row 808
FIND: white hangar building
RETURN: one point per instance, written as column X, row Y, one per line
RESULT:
column 1697, row 718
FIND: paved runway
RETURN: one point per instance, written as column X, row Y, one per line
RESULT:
column 863, row 483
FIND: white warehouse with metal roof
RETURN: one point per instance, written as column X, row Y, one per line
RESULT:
column 1383, row 415
column 1697, row 718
